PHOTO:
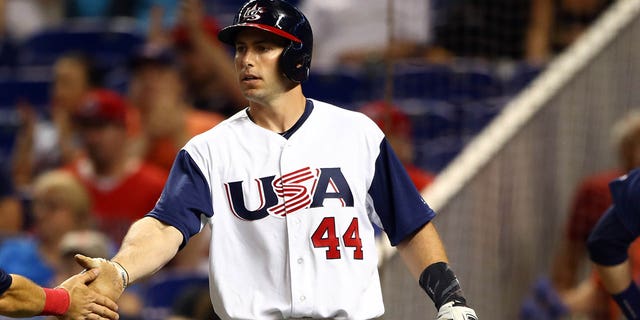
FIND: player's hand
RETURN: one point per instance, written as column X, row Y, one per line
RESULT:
column 109, row 283
column 449, row 311
column 85, row 303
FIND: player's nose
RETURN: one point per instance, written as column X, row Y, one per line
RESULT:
column 247, row 59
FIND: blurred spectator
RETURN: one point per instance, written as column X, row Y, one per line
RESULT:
column 7, row 46
column 557, row 23
column 350, row 32
column 86, row 242
column 194, row 304
column 491, row 29
column 591, row 200
column 19, row 19
column 397, row 128
column 122, row 188
column 207, row 66
column 165, row 10
column 94, row 244
column 167, row 120
column 60, row 204
column 47, row 143
column 11, row 216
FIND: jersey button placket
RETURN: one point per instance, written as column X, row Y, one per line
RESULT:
column 296, row 238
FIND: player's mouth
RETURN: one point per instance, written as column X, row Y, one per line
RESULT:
column 248, row 78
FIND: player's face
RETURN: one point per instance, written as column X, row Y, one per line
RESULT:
column 256, row 62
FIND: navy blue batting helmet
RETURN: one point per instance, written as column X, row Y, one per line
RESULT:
column 284, row 20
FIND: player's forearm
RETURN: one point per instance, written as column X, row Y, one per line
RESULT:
column 615, row 278
column 422, row 249
column 425, row 257
column 148, row 246
column 23, row 299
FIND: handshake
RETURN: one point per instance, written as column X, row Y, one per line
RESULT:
column 94, row 291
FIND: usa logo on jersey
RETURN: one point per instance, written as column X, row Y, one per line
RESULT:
column 300, row 189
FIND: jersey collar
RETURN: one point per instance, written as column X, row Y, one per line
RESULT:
column 308, row 107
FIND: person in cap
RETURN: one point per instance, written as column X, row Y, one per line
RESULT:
column 122, row 187
column 291, row 188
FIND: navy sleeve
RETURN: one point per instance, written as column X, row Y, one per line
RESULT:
column 625, row 192
column 398, row 203
column 5, row 281
column 186, row 196
column 609, row 240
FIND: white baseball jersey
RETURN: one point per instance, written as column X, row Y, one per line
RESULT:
column 292, row 213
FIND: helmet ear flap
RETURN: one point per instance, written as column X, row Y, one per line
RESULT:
column 295, row 63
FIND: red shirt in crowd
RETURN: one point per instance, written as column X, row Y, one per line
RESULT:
column 591, row 200
column 117, row 203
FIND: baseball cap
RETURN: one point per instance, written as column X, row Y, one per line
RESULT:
column 388, row 117
column 152, row 54
column 87, row 242
column 182, row 39
column 102, row 106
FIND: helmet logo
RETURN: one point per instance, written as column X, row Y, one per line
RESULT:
column 253, row 14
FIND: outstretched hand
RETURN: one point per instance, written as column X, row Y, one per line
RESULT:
column 85, row 303
column 109, row 283
column 451, row 311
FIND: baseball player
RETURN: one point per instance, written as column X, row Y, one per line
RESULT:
column 291, row 188
column 20, row 297
column 609, row 242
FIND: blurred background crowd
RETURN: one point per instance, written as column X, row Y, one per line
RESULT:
column 98, row 96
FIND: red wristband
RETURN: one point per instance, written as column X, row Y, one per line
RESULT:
column 56, row 302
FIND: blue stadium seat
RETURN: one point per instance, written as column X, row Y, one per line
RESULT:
column 422, row 81
column 431, row 119
column 108, row 45
column 11, row 92
column 341, row 88
column 474, row 83
column 160, row 294
column 475, row 115
column 435, row 155
column 521, row 76
column 35, row 92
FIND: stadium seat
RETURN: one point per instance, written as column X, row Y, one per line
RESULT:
column 475, row 115
column 11, row 92
column 422, row 81
column 107, row 44
column 342, row 88
column 472, row 83
column 160, row 294
column 521, row 76
column 431, row 119
column 435, row 155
